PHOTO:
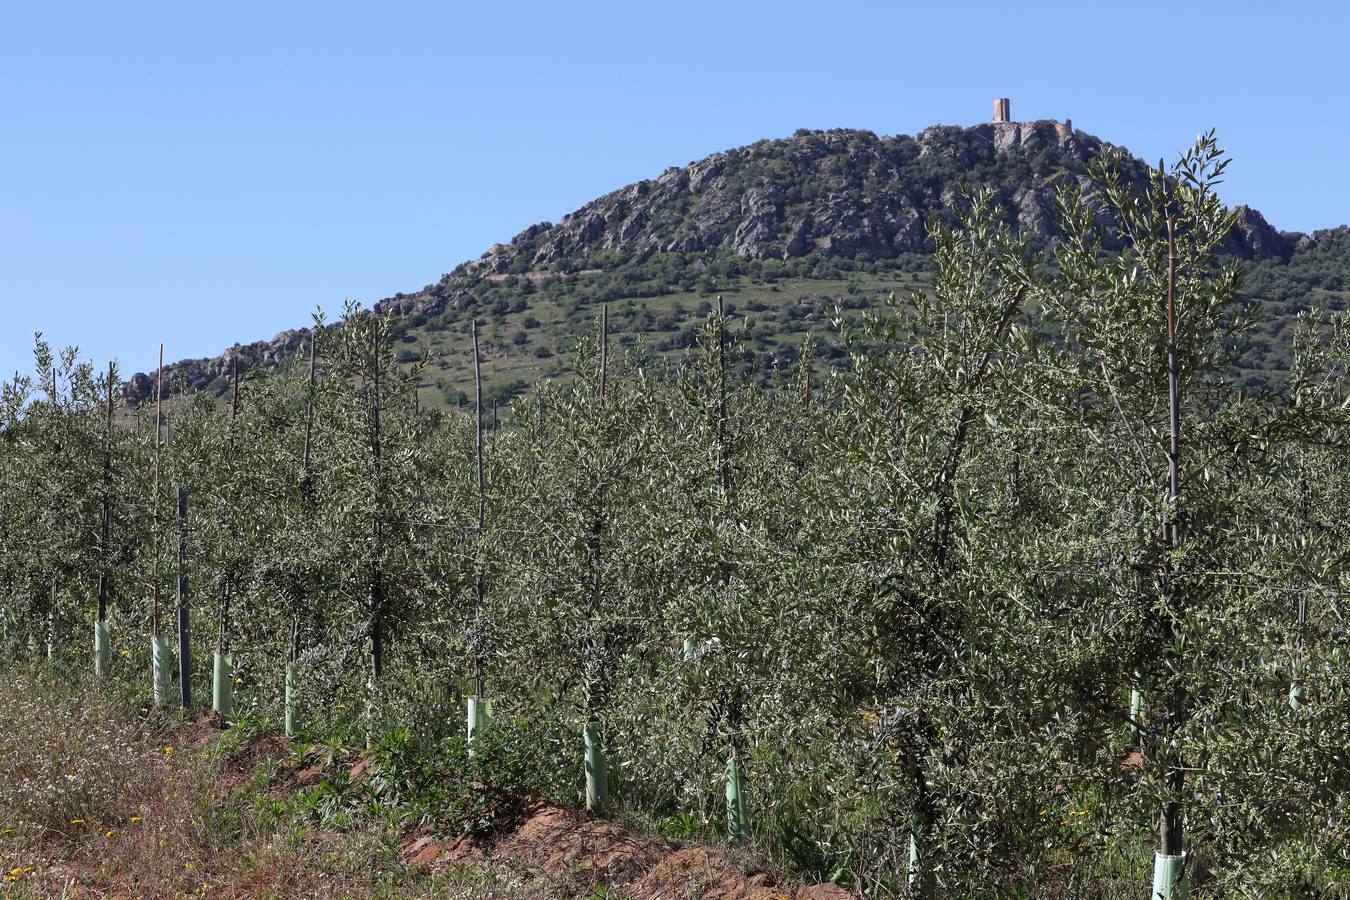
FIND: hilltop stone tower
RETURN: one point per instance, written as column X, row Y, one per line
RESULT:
column 1003, row 116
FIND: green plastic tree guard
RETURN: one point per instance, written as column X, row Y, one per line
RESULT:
column 222, row 684
column 597, row 770
column 161, row 664
column 476, row 718
column 102, row 649
column 1136, row 710
column 738, row 823
column 920, row 878
column 292, row 713
column 1297, row 695
column 1169, row 877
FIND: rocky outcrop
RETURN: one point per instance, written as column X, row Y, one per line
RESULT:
column 840, row 193
column 1253, row 237
column 196, row 374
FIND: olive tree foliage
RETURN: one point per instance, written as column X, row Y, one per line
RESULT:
column 886, row 570
column 252, row 546
column 1201, row 624
column 576, row 620
column 373, row 465
column 52, row 489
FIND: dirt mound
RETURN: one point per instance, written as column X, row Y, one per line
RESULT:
column 710, row 873
column 563, row 843
column 576, row 853
column 260, row 749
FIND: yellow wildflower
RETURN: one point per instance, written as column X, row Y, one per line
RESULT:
column 135, row 819
column 168, row 751
column 77, row 821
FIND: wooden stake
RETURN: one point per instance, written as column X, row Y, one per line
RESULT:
column 184, row 646
column 377, row 535
column 102, row 650
column 227, row 587
column 159, row 406
column 595, row 767
column 482, row 521
column 722, row 479
column 306, row 486
column 104, row 522
column 291, row 687
column 1169, row 862
column 604, row 350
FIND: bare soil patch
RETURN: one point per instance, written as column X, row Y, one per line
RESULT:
column 575, row 853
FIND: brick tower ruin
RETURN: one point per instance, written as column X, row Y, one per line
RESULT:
column 1002, row 110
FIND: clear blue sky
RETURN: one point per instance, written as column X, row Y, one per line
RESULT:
column 204, row 174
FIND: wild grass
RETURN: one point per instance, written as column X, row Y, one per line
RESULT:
column 100, row 796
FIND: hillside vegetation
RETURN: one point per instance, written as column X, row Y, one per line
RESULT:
column 786, row 230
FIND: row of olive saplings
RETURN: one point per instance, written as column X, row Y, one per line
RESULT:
column 162, row 650
column 162, row 654
column 478, row 706
column 595, row 763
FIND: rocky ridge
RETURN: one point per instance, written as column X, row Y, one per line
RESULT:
column 842, row 193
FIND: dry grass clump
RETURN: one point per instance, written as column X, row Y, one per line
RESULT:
column 72, row 759
column 100, row 797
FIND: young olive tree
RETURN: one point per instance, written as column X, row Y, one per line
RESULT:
column 376, row 461
column 885, row 558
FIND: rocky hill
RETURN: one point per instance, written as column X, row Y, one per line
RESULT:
column 841, row 193
column 820, row 206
